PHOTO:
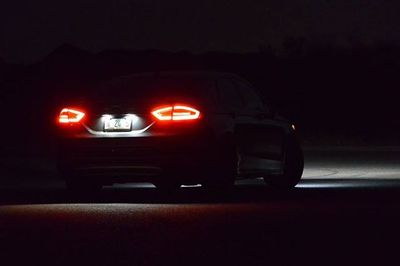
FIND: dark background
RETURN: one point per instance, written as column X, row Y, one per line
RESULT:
column 331, row 67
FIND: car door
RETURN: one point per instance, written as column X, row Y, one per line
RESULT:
column 260, row 138
column 229, row 104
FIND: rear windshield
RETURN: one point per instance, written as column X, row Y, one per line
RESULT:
column 141, row 88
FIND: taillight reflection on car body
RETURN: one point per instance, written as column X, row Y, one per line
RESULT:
column 70, row 116
column 176, row 113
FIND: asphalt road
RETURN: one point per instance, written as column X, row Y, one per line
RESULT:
column 346, row 210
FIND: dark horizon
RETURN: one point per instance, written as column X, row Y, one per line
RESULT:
column 291, row 47
column 31, row 30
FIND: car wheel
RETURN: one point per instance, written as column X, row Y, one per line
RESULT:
column 167, row 185
column 75, row 184
column 169, row 181
column 292, row 169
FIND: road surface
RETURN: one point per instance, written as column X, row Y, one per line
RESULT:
column 346, row 210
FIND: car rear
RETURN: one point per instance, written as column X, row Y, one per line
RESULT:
column 138, row 128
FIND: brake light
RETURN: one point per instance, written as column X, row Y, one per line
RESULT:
column 71, row 116
column 176, row 112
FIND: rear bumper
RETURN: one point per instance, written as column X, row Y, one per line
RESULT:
column 137, row 158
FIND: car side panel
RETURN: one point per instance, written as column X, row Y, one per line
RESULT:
column 260, row 145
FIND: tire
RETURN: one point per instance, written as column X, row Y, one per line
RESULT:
column 167, row 186
column 76, row 184
column 292, row 168
column 169, row 181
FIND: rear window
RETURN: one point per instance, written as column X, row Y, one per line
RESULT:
column 140, row 88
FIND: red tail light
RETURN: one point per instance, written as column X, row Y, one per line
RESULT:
column 176, row 112
column 70, row 116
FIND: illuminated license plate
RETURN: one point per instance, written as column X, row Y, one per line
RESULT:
column 117, row 124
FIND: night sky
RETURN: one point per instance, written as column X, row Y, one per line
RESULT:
column 31, row 29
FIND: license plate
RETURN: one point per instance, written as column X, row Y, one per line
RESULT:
column 117, row 124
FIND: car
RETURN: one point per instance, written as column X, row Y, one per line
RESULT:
column 173, row 129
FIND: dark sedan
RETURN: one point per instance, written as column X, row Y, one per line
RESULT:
column 173, row 129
